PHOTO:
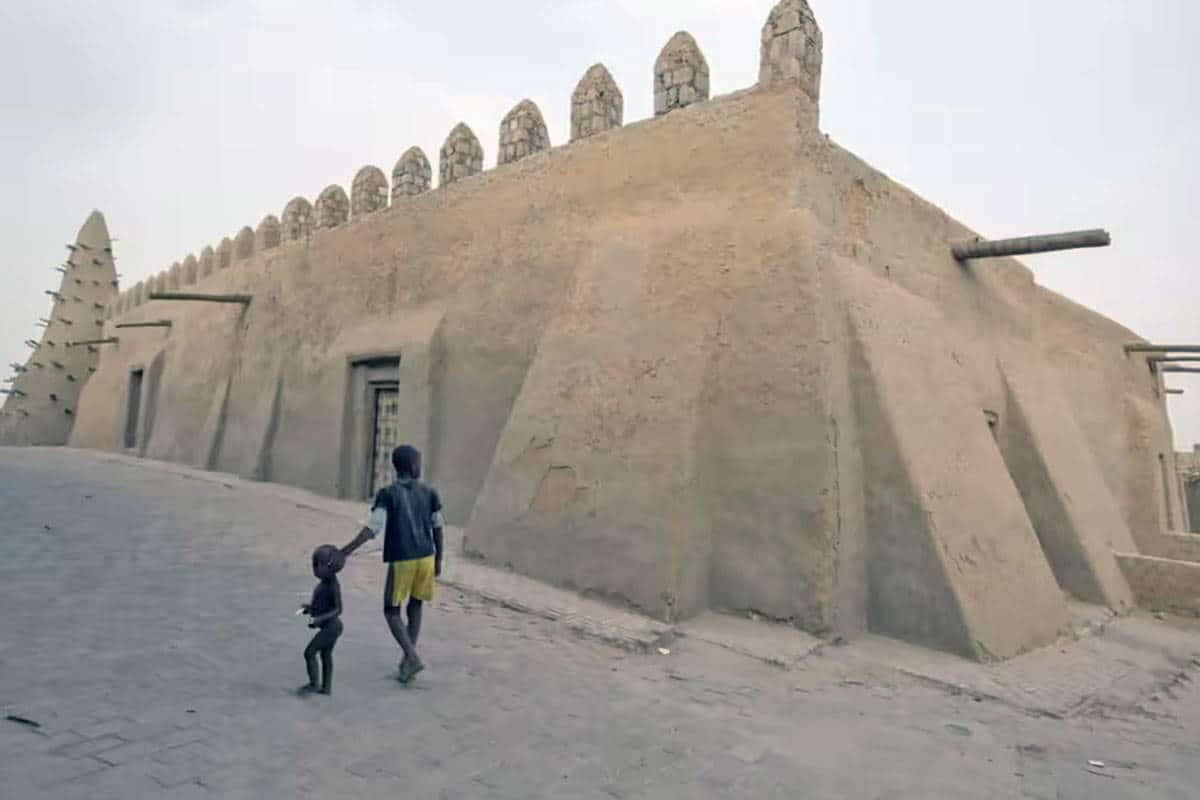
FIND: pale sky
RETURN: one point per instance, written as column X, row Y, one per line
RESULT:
column 183, row 120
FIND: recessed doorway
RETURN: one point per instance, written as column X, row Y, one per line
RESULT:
column 133, row 408
column 386, row 433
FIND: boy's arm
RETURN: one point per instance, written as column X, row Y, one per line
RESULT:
column 364, row 536
column 439, row 537
column 373, row 527
column 439, row 546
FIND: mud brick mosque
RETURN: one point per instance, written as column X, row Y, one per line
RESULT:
column 708, row 360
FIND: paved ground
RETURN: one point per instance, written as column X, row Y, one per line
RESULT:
column 146, row 625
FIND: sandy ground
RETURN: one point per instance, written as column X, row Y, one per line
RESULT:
column 148, row 630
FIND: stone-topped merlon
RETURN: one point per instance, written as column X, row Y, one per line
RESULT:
column 522, row 132
column 191, row 270
column 412, row 174
column 297, row 219
column 243, row 243
column 597, row 104
column 461, row 155
column 333, row 207
column 368, row 192
column 224, row 253
column 792, row 48
column 268, row 233
column 680, row 75
column 208, row 260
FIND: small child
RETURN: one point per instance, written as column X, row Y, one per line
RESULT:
column 326, row 611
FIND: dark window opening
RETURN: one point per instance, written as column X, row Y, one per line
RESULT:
column 134, row 407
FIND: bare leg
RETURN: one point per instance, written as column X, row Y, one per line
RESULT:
column 415, row 607
column 327, row 670
column 400, row 633
column 310, row 664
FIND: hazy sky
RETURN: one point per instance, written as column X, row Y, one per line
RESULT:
column 183, row 120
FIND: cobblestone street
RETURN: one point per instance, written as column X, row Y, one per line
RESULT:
column 149, row 635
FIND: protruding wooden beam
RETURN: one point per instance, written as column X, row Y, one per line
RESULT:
column 244, row 299
column 1156, row 359
column 112, row 340
column 1027, row 245
column 162, row 323
column 1171, row 368
column 1174, row 391
column 1142, row 347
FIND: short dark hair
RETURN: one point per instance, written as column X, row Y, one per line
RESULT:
column 407, row 461
column 330, row 556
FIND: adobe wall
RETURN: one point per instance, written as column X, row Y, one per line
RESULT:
column 709, row 360
column 1188, row 466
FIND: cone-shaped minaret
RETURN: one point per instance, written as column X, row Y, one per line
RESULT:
column 39, row 407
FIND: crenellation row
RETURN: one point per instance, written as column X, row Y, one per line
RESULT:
column 791, row 52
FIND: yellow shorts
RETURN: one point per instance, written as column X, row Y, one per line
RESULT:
column 408, row 578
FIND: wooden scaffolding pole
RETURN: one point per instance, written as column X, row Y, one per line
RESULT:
column 1028, row 245
column 243, row 299
column 1140, row 347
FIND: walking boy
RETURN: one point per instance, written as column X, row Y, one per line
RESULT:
column 409, row 514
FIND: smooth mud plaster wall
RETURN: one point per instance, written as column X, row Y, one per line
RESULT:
column 709, row 360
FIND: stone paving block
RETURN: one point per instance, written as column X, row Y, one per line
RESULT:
column 104, row 727
column 49, row 742
column 194, row 751
column 187, row 791
column 124, row 782
column 168, row 775
column 385, row 762
column 142, row 731
column 47, row 772
column 89, row 747
column 14, row 740
column 134, row 751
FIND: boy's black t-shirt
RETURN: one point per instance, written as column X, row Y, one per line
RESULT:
column 410, row 507
column 325, row 597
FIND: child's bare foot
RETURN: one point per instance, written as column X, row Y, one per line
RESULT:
column 307, row 689
column 325, row 690
column 410, row 668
